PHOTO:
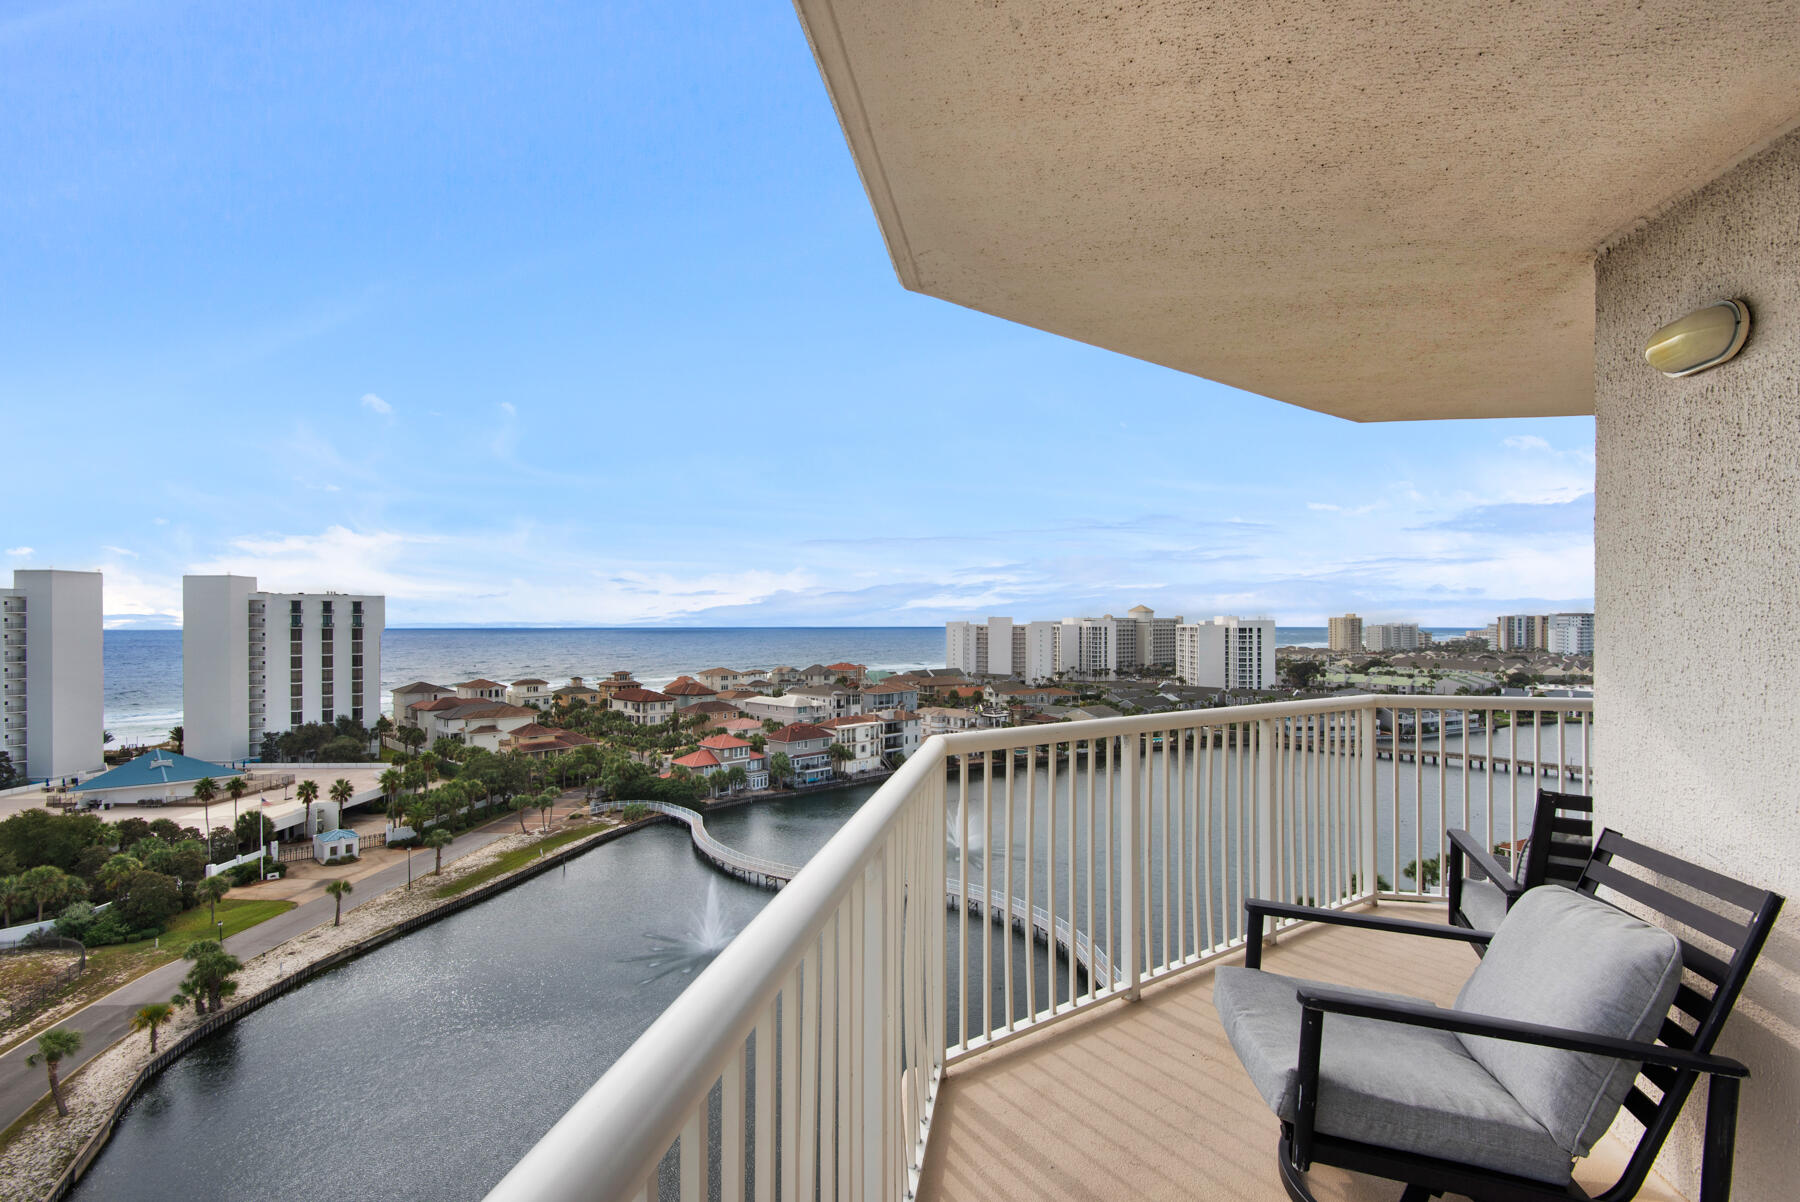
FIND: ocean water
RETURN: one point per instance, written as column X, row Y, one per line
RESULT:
column 143, row 667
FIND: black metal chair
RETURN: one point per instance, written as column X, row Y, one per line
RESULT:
column 1491, row 1116
column 1482, row 889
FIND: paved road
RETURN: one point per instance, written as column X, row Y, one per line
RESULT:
column 104, row 1022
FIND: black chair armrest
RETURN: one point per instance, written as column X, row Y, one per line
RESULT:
column 1326, row 1000
column 1256, row 908
column 1463, row 842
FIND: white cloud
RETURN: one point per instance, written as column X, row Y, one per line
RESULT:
column 19, row 552
column 112, row 550
column 1323, row 506
column 1526, row 442
column 371, row 401
column 507, row 408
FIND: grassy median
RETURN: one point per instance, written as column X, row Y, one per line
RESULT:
column 514, row 860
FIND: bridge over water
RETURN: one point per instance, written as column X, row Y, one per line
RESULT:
column 991, row 904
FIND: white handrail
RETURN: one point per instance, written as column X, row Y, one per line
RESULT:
column 839, row 998
column 643, row 1101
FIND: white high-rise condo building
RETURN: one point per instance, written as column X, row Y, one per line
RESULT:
column 1088, row 645
column 1391, row 636
column 1035, row 643
column 1571, row 634
column 1226, row 653
column 52, row 684
column 980, row 648
column 255, row 661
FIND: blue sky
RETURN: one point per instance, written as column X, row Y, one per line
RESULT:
column 578, row 315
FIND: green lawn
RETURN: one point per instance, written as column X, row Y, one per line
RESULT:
column 110, row 967
column 512, row 860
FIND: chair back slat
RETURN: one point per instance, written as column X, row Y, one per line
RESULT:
column 1641, row 1107
column 1707, row 922
column 1695, row 876
column 1692, row 1002
column 1562, row 834
column 1737, row 915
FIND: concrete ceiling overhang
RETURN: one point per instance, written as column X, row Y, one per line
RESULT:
column 1375, row 210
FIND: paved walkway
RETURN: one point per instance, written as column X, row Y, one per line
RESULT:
column 104, row 1022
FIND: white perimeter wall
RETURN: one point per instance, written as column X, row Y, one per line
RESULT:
column 1698, row 528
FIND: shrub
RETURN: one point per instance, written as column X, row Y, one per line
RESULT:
column 151, row 899
column 74, row 921
column 636, row 812
column 110, row 928
column 245, row 874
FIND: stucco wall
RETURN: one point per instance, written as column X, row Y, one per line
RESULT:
column 1697, row 581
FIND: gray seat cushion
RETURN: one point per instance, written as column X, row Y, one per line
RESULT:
column 1383, row 1083
column 1483, row 904
column 1565, row 959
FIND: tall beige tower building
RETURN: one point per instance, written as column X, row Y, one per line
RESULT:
column 1347, row 634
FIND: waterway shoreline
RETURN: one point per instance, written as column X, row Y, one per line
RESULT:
column 47, row 1155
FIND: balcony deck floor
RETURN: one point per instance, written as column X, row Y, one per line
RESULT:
column 1147, row 1100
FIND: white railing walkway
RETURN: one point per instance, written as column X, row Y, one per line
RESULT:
column 805, row 1061
column 772, row 874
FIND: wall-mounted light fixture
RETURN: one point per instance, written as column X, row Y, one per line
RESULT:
column 1704, row 338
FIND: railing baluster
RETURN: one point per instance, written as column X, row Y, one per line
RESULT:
column 764, row 1113
column 1007, row 900
column 963, row 1014
column 1069, row 898
column 1131, row 866
column 1030, row 898
column 987, row 894
column 731, row 1128
column 788, row 1155
column 807, row 1148
column 1093, row 934
column 691, row 1159
column 831, row 1012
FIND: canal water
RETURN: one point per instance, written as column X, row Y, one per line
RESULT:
column 425, row 1069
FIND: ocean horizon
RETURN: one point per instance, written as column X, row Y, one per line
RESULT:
column 143, row 667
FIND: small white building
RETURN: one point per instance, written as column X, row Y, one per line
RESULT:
column 336, row 846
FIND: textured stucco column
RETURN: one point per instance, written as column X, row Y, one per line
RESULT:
column 1697, row 591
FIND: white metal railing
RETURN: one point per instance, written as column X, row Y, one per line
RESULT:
column 806, row 1060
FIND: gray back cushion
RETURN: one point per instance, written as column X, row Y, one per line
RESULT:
column 1564, row 959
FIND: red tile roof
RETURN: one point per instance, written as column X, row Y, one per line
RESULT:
column 529, row 680
column 722, row 742
column 481, row 682
column 711, row 707
column 699, row 759
column 643, row 695
column 799, row 732
column 687, row 688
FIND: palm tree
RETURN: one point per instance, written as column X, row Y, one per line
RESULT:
column 237, row 787
column 205, row 789
column 384, row 726
column 308, row 792
column 211, row 890
column 736, row 778
column 545, row 803
column 151, row 1017
column 437, row 840
column 390, row 782
column 337, row 889
column 12, row 893
column 341, row 792
column 839, row 753
column 53, row 1047
column 177, row 737
column 47, row 884
column 780, row 767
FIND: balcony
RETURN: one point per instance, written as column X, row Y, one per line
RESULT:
column 941, row 1056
